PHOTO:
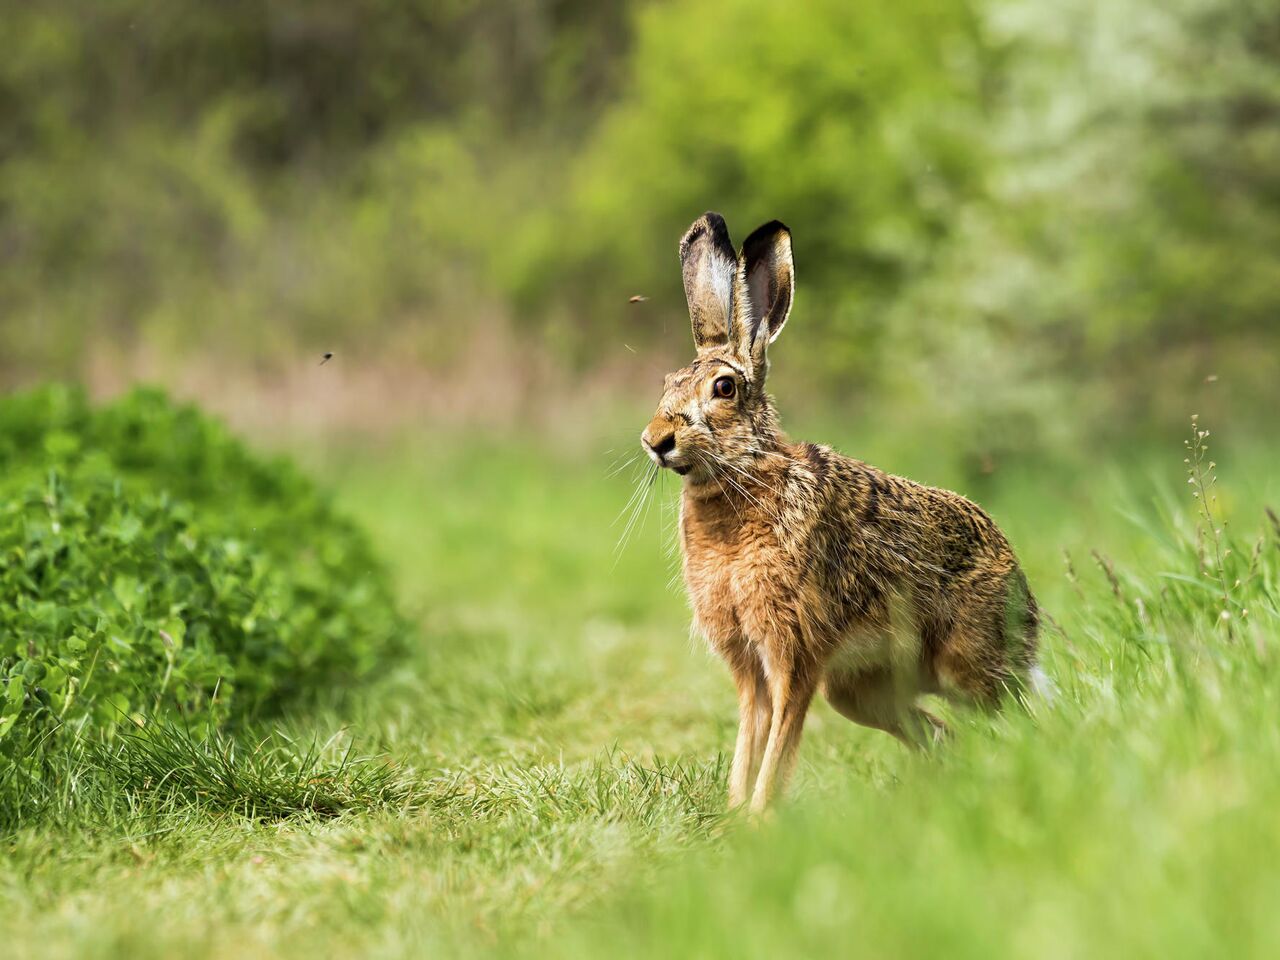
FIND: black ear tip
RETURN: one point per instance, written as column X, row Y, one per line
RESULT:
column 712, row 225
column 763, row 237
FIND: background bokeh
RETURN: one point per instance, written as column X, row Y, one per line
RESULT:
column 1018, row 226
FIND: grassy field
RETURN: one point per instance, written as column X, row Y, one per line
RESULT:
column 547, row 770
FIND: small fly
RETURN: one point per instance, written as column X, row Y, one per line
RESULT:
column 326, row 358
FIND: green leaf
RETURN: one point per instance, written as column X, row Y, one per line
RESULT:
column 126, row 590
column 11, row 706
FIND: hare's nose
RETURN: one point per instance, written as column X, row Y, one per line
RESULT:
column 663, row 445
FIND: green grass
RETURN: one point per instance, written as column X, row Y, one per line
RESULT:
column 545, row 774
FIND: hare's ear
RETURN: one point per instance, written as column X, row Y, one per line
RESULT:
column 766, row 287
column 709, row 267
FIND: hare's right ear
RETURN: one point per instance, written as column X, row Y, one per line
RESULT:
column 769, row 281
column 709, row 266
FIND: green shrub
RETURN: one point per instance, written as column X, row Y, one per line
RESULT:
column 150, row 563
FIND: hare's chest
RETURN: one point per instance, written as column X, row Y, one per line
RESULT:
column 737, row 586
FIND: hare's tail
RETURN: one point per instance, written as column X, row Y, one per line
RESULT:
column 1041, row 685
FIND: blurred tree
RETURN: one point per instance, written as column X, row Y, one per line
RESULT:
column 179, row 170
column 1002, row 209
column 1124, row 248
column 860, row 125
column 319, row 78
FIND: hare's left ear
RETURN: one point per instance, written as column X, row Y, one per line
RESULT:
column 710, row 271
column 767, row 282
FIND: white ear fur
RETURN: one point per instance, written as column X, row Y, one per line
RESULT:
column 710, row 272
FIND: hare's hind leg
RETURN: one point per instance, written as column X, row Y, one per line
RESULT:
column 989, row 649
column 753, row 726
column 875, row 698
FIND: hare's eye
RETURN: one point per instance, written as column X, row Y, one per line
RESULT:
column 724, row 387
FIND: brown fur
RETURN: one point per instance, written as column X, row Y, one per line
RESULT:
column 807, row 570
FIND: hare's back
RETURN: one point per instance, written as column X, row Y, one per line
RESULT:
column 930, row 528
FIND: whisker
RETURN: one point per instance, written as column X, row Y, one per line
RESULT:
column 640, row 498
column 728, row 498
column 737, row 486
column 648, row 500
column 637, row 492
column 614, row 471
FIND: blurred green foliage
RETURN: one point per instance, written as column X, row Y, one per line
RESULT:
column 149, row 562
column 1002, row 209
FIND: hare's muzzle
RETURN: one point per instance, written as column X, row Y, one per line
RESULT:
column 660, row 444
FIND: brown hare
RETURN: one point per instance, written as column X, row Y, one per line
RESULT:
column 808, row 570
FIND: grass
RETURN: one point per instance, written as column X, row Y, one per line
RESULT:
column 545, row 774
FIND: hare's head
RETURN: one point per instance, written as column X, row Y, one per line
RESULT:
column 715, row 416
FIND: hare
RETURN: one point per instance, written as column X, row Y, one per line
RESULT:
column 807, row 570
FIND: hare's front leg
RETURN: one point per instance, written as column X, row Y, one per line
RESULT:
column 791, row 688
column 753, row 725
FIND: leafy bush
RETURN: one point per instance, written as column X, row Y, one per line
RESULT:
column 149, row 562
